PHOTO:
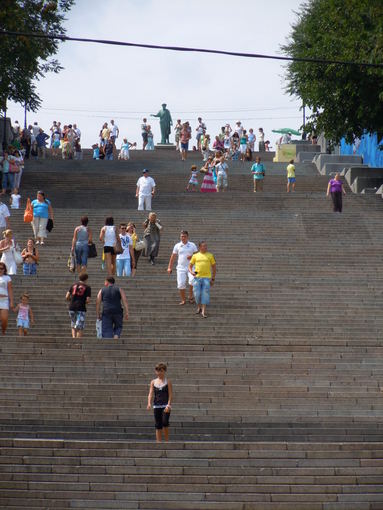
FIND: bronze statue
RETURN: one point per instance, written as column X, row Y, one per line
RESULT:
column 165, row 123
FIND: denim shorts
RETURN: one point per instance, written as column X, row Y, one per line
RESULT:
column 29, row 269
column 201, row 291
column 23, row 323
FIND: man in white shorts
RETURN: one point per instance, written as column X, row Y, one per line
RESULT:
column 185, row 249
column 145, row 191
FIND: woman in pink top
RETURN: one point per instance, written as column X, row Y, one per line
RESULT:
column 335, row 187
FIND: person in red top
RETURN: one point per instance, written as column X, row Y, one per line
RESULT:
column 79, row 296
column 185, row 136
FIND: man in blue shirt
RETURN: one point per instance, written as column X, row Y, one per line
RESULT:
column 258, row 171
column 41, row 140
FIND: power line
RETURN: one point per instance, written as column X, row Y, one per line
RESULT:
column 144, row 112
column 96, row 115
column 63, row 37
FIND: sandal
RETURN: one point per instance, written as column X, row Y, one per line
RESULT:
column 191, row 301
column 198, row 311
column 182, row 303
column 204, row 315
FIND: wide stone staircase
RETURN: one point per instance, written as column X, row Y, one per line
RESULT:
column 278, row 394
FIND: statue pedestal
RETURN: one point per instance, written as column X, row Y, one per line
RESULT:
column 285, row 152
column 166, row 146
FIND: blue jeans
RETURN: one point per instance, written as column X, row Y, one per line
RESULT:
column 8, row 180
column 112, row 324
column 29, row 269
column 201, row 291
column 109, row 156
column 123, row 267
column 81, row 251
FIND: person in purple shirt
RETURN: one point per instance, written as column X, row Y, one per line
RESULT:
column 335, row 187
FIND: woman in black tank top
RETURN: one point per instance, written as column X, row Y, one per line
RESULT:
column 161, row 393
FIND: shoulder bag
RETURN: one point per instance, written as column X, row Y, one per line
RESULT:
column 92, row 251
column 117, row 246
column 28, row 213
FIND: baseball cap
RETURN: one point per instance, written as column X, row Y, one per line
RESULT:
column 145, row 171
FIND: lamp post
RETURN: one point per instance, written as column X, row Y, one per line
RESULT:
column 304, row 121
column 25, row 115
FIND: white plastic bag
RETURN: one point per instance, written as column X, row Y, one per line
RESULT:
column 99, row 328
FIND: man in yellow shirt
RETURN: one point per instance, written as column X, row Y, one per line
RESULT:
column 204, row 272
column 291, row 176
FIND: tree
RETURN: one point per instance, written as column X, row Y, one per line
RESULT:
column 346, row 100
column 23, row 59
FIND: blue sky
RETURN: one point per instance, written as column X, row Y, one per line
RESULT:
column 104, row 82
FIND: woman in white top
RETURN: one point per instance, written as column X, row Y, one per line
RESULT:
column 7, row 250
column 6, row 296
column 108, row 237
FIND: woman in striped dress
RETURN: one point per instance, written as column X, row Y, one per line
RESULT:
column 208, row 184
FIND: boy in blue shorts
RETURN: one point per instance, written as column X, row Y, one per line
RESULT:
column 291, row 176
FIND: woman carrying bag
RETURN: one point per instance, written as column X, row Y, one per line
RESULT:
column 82, row 238
column 9, row 256
column 42, row 212
column 152, row 235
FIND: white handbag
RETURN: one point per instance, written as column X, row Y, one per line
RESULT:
column 17, row 256
column 99, row 328
column 140, row 245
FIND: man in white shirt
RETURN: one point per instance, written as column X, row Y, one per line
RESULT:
column 35, row 129
column 145, row 191
column 184, row 250
column 124, row 259
column 286, row 138
column 114, row 131
column 77, row 132
column 4, row 217
column 238, row 128
column 201, row 129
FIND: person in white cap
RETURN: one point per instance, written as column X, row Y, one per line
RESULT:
column 145, row 190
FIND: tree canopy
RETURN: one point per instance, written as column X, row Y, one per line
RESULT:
column 346, row 100
column 24, row 60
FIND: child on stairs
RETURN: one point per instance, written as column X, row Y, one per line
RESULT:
column 24, row 315
column 193, row 179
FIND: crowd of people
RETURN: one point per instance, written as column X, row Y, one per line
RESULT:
column 32, row 141
column 233, row 143
column 65, row 141
column 121, row 245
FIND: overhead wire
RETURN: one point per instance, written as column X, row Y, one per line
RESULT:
column 63, row 37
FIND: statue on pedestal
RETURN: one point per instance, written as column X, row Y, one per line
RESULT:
column 165, row 123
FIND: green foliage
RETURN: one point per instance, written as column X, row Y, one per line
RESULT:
column 23, row 60
column 345, row 100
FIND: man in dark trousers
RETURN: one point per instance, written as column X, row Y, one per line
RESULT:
column 112, row 315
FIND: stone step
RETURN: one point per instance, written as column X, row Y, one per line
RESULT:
column 95, row 473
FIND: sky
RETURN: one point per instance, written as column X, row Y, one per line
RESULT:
column 100, row 82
